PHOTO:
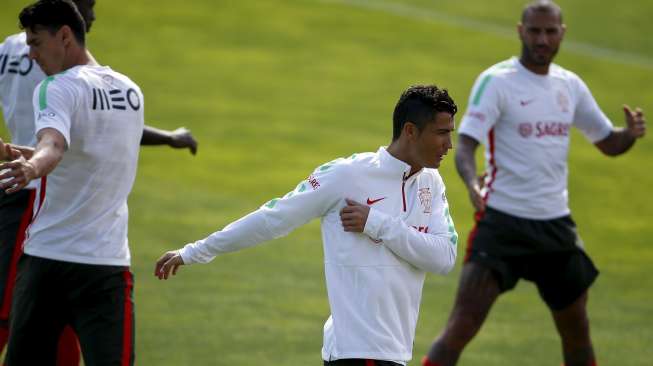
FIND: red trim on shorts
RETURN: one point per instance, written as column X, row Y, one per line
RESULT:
column 472, row 234
column 427, row 362
column 127, row 322
column 25, row 221
column 369, row 362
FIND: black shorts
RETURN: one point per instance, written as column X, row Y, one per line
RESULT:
column 15, row 216
column 546, row 252
column 96, row 300
column 360, row 362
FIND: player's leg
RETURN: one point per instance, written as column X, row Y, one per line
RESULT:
column 16, row 213
column 564, row 288
column 486, row 274
column 36, row 318
column 477, row 291
column 68, row 352
column 563, row 279
column 574, row 329
column 104, row 316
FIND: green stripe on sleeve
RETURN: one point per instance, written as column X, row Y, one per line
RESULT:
column 43, row 99
column 481, row 88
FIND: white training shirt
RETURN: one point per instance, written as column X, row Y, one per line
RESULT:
column 18, row 77
column 374, row 279
column 83, row 218
column 524, row 120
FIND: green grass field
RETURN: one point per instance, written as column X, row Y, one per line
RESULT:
column 274, row 88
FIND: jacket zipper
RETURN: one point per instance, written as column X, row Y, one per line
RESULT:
column 403, row 193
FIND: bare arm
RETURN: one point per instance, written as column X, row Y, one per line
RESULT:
column 466, row 166
column 621, row 140
column 180, row 138
column 47, row 155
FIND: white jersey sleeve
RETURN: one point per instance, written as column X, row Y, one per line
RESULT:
column 312, row 198
column 588, row 117
column 434, row 251
column 53, row 107
column 484, row 108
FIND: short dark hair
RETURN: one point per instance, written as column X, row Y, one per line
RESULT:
column 541, row 6
column 52, row 15
column 419, row 105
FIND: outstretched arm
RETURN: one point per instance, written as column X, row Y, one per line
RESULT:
column 621, row 140
column 180, row 138
column 312, row 197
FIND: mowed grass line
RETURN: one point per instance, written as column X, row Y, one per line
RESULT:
column 272, row 90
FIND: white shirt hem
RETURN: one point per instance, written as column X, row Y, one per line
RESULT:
column 77, row 259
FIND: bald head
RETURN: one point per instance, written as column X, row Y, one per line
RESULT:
column 541, row 6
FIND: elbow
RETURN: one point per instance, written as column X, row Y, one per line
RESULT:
column 444, row 264
column 448, row 266
column 611, row 152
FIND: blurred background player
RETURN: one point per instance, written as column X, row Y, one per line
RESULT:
column 75, row 266
column 523, row 110
column 377, row 252
column 19, row 75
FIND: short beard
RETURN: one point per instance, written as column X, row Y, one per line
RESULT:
column 527, row 55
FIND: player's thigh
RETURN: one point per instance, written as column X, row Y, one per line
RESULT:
column 562, row 279
column 13, row 208
column 37, row 318
column 104, row 320
column 478, row 289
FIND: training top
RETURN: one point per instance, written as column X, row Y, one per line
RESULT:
column 524, row 119
column 19, row 75
column 374, row 279
column 83, row 217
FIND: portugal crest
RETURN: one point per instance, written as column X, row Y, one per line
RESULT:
column 424, row 195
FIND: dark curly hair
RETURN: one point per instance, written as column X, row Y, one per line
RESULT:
column 418, row 105
column 52, row 15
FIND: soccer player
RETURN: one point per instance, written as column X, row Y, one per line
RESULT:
column 19, row 75
column 385, row 223
column 75, row 267
column 523, row 109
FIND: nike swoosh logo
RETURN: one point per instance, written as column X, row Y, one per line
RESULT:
column 526, row 102
column 371, row 202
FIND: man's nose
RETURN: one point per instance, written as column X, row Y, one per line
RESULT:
column 449, row 143
column 542, row 38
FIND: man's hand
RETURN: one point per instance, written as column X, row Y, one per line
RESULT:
column 169, row 261
column 475, row 194
column 354, row 216
column 635, row 122
column 181, row 138
column 16, row 174
column 7, row 152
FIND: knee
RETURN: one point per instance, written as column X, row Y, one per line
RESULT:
column 575, row 332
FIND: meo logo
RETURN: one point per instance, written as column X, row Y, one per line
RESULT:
column 115, row 99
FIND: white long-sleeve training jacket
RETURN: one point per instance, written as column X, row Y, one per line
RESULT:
column 374, row 279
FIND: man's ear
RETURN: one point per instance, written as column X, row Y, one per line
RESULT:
column 66, row 35
column 410, row 130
